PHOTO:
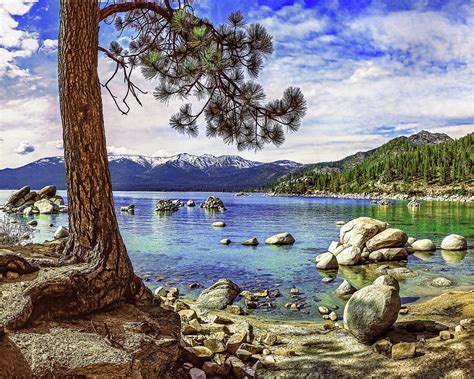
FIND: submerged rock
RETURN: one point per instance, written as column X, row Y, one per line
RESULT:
column 219, row 295
column 441, row 282
column 371, row 311
column 423, row 245
column 280, row 239
column 454, row 242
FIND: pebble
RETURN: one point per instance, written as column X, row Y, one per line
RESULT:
column 445, row 335
column 403, row 350
column 294, row 291
column 323, row 310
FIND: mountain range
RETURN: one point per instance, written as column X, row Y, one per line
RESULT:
column 186, row 172
column 182, row 172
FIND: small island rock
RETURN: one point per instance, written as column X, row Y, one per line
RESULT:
column 423, row 245
column 280, row 239
column 251, row 242
column 218, row 224
column 454, row 242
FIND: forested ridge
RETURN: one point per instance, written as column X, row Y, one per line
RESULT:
column 402, row 165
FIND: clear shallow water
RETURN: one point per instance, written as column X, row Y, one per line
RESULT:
column 183, row 247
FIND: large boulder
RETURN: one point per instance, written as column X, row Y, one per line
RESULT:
column 388, row 254
column 454, row 242
column 350, row 256
column 327, row 261
column 390, row 237
column 358, row 231
column 46, row 206
column 371, row 311
column 219, row 295
column 423, row 245
column 18, row 195
column 280, row 239
column 47, row 192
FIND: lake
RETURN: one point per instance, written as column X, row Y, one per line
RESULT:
column 181, row 248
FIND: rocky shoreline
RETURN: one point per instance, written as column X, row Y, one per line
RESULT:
column 377, row 196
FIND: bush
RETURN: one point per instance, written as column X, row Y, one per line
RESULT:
column 12, row 233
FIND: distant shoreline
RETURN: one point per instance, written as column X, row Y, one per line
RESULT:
column 377, row 196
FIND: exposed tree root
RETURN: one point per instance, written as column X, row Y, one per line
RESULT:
column 62, row 292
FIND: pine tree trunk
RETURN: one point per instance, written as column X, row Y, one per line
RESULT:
column 94, row 234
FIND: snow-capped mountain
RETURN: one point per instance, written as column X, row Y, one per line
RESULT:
column 178, row 172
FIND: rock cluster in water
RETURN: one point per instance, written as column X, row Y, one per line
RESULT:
column 365, row 240
column 44, row 201
column 214, row 203
column 165, row 205
column 128, row 209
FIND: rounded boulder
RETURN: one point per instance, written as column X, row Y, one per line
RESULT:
column 423, row 245
column 454, row 242
column 327, row 261
column 280, row 239
column 371, row 311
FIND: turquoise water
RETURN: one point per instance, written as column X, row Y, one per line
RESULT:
column 182, row 248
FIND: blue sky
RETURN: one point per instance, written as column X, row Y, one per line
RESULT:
column 370, row 70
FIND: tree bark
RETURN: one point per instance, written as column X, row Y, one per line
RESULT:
column 94, row 234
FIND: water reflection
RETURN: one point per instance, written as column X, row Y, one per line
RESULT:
column 424, row 255
column 453, row 257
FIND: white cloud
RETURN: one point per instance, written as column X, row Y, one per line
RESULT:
column 162, row 153
column 49, row 46
column 366, row 78
column 114, row 150
column 15, row 43
column 57, row 144
column 24, row 148
column 293, row 21
column 426, row 36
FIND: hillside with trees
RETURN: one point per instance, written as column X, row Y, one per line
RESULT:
column 403, row 165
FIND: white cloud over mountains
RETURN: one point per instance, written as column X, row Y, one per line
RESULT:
column 367, row 76
column 24, row 148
